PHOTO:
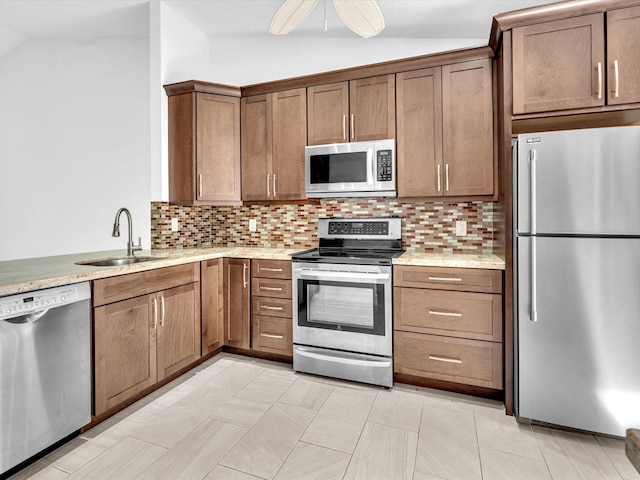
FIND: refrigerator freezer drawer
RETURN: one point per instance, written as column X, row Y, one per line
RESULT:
column 578, row 363
column 471, row 362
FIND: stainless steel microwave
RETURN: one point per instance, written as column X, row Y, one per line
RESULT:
column 355, row 169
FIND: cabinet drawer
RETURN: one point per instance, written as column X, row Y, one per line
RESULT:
column 271, row 268
column 443, row 278
column 271, row 287
column 272, row 334
column 439, row 312
column 471, row 362
column 114, row 289
column 273, row 307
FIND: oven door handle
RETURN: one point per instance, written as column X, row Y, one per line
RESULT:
column 327, row 275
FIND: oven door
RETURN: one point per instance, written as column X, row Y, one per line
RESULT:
column 343, row 307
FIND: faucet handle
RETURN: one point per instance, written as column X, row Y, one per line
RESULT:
column 135, row 248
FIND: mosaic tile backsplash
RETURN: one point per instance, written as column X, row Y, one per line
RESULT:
column 426, row 227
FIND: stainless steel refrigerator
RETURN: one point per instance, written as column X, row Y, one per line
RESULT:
column 577, row 278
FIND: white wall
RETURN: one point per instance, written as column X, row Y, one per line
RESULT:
column 245, row 61
column 74, row 144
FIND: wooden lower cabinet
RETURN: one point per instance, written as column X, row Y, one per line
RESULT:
column 271, row 307
column 139, row 341
column 448, row 325
column 212, row 299
column 237, row 301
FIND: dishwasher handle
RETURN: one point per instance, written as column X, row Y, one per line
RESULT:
column 27, row 318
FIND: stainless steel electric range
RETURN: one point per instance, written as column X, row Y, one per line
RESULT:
column 342, row 297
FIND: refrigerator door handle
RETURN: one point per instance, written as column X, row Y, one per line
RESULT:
column 532, row 190
column 533, row 314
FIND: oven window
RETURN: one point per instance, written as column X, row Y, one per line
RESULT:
column 338, row 168
column 350, row 307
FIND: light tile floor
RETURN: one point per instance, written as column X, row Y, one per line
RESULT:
column 238, row 418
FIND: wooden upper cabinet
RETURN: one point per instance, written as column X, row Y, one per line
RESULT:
column 289, row 140
column 467, row 129
column 274, row 134
column 327, row 118
column 353, row 111
column 559, row 65
column 419, row 135
column 204, row 144
column 623, row 55
column 372, row 108
column 445, row 131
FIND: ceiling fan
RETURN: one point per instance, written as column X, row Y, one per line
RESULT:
column 362, row 16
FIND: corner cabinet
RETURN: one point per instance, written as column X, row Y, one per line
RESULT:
column 448, row 325
column 146, row 328
column 353, row 111
column 274, row 134
column 445, row 131
column 579, row 62
column 237, row 302
column 204, row 144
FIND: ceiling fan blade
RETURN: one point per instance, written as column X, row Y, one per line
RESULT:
column 362, row 16
column 290, row 14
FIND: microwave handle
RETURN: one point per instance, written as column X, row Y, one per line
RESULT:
column 370, row 166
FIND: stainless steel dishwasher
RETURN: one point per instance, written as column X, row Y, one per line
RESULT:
column 45, row 370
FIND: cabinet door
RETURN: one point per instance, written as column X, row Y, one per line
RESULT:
column 272, row 334
column 327, row 119
column 212, row 295
column 559, row 65
column 178, row 328
column 419, row 135
column 217, row 148
column 467, row 130
column 372, row 104
column 289, row 140
column 257, row 135
column 124, row 350
column 623, row 55
column 237, row 302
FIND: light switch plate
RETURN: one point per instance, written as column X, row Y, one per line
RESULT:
column 175, row 226
column 461, row 228
column 252, row 225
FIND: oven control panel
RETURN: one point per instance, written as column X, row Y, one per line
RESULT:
column 358, row 228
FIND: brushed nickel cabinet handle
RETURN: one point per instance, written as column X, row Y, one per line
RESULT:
column 155, row 314
column 269, row 335
column 274, row 186
column 446, row 177
column 445, row 314
column 268, row 185
column 267, row 307
column 267, row 269
column 344, row 127
column 438, row 358
column 599, row 80
column 353, row 129
column 445, row 279
column 200, row 185
column 271, row 289
column 245, row 267
column 162, row 310
column 616, row 76
column 438, row 177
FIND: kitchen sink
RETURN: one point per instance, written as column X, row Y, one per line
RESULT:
column 116, row 262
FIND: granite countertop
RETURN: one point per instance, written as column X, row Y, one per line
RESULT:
column 29, row 274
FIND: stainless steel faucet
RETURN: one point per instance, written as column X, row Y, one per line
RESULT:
column 116, row 232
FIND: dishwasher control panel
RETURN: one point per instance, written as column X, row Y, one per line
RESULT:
column 30, row 302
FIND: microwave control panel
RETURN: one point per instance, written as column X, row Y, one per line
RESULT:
column 384, row 159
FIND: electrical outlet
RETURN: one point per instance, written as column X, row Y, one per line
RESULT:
column 252, row 225
column 175, row 226
column 461, row 228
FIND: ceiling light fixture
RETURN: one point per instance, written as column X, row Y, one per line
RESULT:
column 362, row 16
